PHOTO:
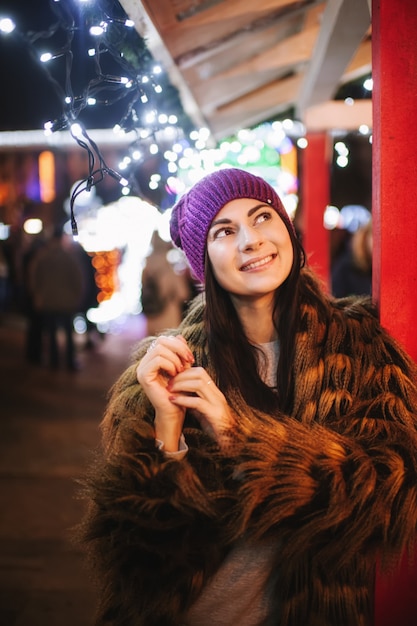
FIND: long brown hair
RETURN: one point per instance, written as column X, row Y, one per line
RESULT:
column 235, row 359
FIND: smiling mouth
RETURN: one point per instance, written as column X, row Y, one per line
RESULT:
column 256, row 264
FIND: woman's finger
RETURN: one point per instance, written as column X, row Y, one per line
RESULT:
column 168, row 353
column 175, row 344
column 195, row 380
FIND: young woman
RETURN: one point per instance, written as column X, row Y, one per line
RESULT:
column 261, row 459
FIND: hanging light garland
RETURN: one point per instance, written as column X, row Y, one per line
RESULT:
column 95, row 60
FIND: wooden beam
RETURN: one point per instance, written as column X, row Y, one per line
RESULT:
column 293, row 50
column 218, row 94
column 344, row 25
column 255, row 107
column 335, row 115
column 361, row 63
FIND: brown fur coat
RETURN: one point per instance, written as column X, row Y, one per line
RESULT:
column 335, row 482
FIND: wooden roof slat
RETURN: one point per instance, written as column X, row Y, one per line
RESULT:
column 255, row 107
column 203, row 29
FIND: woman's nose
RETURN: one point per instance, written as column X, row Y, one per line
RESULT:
column 249, row 238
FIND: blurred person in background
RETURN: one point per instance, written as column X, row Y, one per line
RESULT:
column 56, row 283
column 4, row 280
column 352, row 270
column 33, row 316
column 166, row 288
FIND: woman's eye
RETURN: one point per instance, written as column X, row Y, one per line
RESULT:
column 222, row 232
column 263, row 217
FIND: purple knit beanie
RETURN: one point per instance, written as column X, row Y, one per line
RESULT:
column 195, row 210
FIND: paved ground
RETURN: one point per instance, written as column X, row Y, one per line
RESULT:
column 48, row 424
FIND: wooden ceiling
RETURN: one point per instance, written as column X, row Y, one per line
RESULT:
column 237, row 63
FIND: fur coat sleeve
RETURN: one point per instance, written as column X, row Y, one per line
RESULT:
column 336, row 478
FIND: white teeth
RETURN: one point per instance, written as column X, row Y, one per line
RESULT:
column 251, row 266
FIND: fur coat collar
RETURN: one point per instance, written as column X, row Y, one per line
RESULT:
column 334, row 484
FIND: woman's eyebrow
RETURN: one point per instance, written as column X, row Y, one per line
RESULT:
column 226, row 220
column 255, row 208
column 223, row 220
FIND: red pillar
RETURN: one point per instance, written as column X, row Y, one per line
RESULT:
column 394, row 31
column 316, row 196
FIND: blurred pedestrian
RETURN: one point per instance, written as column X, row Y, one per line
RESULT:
column 4, row 280
column 34, row 321
column 352, row 269
column 56, row 284
column 166, row 286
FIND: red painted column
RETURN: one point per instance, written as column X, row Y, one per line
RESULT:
column 316, row 196
column 394, row 32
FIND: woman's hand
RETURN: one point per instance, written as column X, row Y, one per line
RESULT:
column 166, row 358
column 193, row 389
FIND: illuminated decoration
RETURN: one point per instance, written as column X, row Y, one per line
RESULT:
column 368, row 84
column 117, row 237
column 33, row 226
column 7, row 25
column 342, row 151
column 46, row 163
column 106, row 265
column 350, row 217
column 4, row 231
column 354, row 216
column 331, row 217
column 4, row 192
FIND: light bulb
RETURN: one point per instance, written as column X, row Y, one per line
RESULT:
column 7, row 25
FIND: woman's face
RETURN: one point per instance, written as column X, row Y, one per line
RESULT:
column 249, row 248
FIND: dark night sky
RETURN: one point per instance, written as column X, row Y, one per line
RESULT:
column 27, row 99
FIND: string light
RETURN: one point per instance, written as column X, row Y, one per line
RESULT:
column 342, row 150
column 97, row 31
column 7, row 25
column 45, row 57
column 368, row 84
